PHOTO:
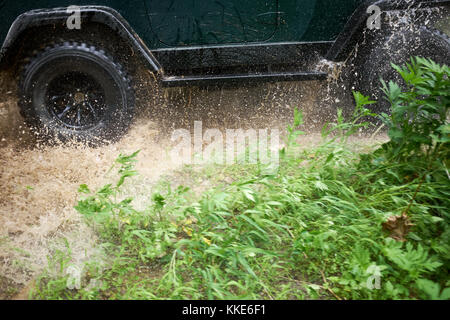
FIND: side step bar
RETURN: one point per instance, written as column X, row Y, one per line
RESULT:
column 181, row 81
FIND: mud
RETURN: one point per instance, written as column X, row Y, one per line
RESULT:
column 39, row 183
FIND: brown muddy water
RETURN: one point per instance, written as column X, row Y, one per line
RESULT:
column 38, row 184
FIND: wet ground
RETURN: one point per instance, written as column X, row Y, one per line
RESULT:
column 39, row 183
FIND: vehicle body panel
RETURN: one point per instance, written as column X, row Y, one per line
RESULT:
column 185, row 36
column 165, row 24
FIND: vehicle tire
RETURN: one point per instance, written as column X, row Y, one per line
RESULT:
column 74, row 91
column 398, row 48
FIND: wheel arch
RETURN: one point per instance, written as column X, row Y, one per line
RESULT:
column 357, row 22
column 57, row 17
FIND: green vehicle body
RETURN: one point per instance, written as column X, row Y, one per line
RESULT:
column 182, row 38
column 177, row 23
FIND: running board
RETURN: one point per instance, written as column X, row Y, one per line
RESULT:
column 181, row 81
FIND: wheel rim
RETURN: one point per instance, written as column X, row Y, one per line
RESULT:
column 76, row 100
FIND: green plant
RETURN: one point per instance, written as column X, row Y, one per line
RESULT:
column 358, row 119
column 419, row 131
column 418, row 124
column 315, row 229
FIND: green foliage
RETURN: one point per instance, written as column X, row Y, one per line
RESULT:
column 432, row 290
column 293, row 133
column 419, row 131
column 418, row 120
column 53, row 282
column 414, row 261
column 346, row 129
column 312, row 230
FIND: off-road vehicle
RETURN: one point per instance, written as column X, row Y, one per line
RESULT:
column 75, row 60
